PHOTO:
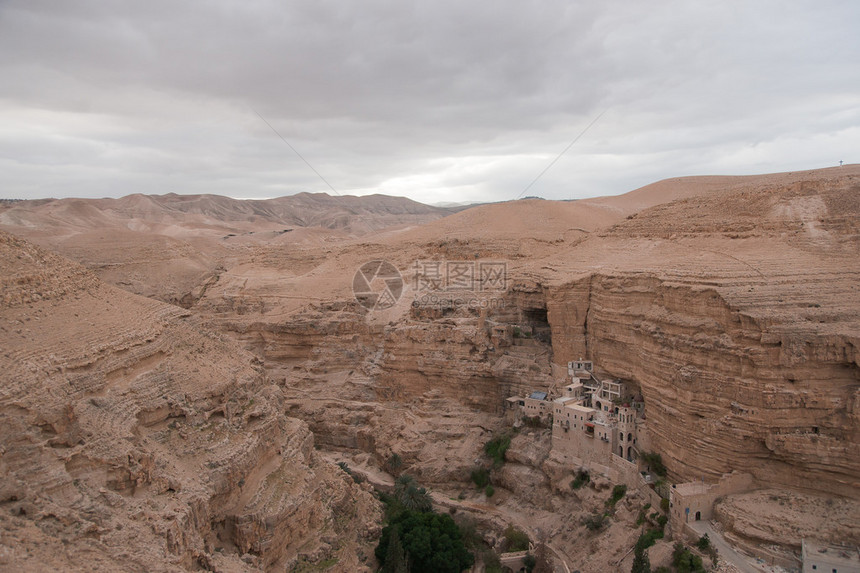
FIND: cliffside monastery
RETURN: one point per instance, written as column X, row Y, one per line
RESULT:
column 592, row 419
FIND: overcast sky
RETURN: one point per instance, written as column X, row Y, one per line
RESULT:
column 437, row 100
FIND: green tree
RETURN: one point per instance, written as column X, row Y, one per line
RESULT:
column 516, row 540
column 685, row 561
column 529, row 561
column 395, row 556
column 432, row 542
column 641, row 563
column 394, row 463
column 410, row 495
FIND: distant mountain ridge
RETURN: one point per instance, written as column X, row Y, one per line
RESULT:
column 357, row 215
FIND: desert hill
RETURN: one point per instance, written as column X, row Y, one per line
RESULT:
column 166, row 246
column 189, row 214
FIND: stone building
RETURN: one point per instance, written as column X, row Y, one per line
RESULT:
column 595, row 419
column 592, row 419
column 694, row 501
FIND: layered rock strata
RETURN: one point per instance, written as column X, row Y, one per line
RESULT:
column 132, row 440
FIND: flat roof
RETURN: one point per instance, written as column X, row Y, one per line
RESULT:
column 538, row 395
column 580, row 408
column 564, row 399
column 692, row 488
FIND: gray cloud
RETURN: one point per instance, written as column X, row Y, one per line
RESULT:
column 441, row 101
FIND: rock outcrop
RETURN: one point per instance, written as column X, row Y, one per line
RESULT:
column 133, row 440
column 772, row 517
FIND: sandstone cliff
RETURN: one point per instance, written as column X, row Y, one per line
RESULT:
column 742, row 333
column 132, row 440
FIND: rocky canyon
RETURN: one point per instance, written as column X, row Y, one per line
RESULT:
column 181, row 374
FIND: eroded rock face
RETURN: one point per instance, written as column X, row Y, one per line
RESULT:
column 131, row 440
column 780, row 517
column 750, row 364
column 430, row 389
column 722, row 391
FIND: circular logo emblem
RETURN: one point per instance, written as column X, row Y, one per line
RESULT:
column 377, row 285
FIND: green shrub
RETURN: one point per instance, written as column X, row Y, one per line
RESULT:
column 654, row 461
column 617, row 493
column 640, row 519
column 664, row 504
column 594, row 522
column 581, row 479
column 497, row 447
column 481, row 477
column 520, row 333
column 649, row 538
column 490, row 491
column 516, row 540
column 704, row 542
column 355, row 477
